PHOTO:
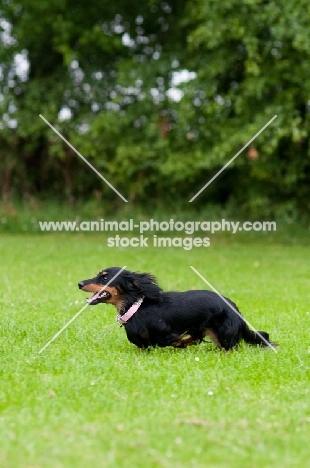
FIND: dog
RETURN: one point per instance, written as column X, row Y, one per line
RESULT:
column 152, row 317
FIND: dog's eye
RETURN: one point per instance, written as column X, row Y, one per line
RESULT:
column 102, row 275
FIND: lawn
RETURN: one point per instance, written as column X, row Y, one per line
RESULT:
column 93, row 399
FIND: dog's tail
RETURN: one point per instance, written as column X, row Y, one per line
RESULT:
column 260, row 338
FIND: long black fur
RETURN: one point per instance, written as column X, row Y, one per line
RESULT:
column 173, row 318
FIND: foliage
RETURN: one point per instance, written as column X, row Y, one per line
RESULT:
column 108, row 77
column 256, row 65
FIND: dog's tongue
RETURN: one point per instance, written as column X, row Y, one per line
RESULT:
column 93, row 297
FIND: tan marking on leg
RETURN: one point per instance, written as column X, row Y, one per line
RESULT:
column 145, row 335
column 185, row 340
column 209, row 332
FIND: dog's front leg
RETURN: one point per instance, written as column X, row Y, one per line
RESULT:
column 183, row 340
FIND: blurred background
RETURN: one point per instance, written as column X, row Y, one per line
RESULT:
column 158, row 96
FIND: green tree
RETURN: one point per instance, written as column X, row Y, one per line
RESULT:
column 252, row 60
column 80, row 58
column 111, row 70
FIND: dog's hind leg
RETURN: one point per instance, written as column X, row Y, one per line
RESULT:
column 212, row 335
column 228, row 334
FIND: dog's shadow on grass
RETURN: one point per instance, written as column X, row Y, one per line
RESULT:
column 205, row 346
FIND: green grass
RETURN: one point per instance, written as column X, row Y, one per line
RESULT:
column 93, row 399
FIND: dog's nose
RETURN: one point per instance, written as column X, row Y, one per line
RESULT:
column 81, row 284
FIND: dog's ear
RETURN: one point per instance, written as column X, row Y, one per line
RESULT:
column 143, row 279
column 143, row 284
column 148, row 286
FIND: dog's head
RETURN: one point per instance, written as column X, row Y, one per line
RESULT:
column 120, row 287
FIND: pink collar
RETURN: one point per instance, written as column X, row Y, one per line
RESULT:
column 123, row 319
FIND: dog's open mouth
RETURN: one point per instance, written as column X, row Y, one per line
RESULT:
column 101, row 296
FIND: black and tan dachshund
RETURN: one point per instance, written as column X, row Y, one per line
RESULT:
column 152, row 317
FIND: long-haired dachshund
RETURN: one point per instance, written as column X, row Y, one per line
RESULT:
column 152, row 317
